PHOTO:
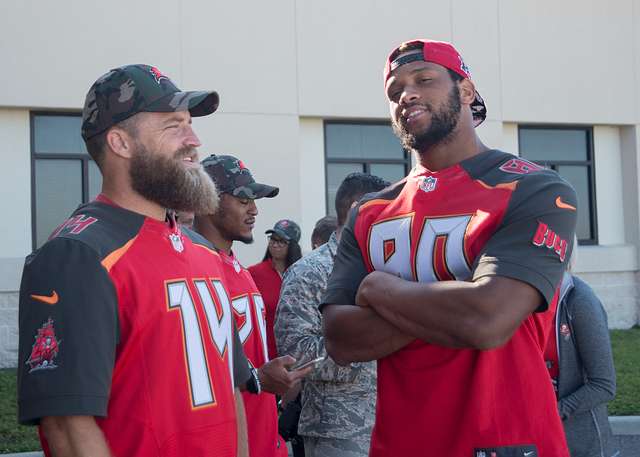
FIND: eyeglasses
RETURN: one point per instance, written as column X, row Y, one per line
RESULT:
column 277, row 241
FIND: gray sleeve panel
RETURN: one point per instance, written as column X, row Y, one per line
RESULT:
column 534, row 241
column 241, row 373
column 591, row 335
column 83, row 317
column 348, row 269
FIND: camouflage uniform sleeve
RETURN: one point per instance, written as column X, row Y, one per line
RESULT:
column 298, row 326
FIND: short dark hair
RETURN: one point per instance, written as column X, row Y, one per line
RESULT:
column 97, row 143
column 323, row 230
column 352, row 188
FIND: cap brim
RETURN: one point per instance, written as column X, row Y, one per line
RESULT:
column 280, row 233
column 254, row 191
column 198, row 103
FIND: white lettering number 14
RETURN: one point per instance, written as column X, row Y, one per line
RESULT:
column 220, row 325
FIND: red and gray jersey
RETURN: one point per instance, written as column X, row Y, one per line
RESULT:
column 249, row 311
column 143, row 332
column 491, row 215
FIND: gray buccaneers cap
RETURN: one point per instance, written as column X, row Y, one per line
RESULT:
column 131, row 89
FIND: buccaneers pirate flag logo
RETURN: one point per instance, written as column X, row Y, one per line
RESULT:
column 45, row 348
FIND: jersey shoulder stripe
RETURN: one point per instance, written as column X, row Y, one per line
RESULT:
column 109, row 230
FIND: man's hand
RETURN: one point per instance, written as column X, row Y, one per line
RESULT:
column 276, row 378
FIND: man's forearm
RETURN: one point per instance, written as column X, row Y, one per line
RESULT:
column 458, row 314
column 74, row 436
column 357, row 334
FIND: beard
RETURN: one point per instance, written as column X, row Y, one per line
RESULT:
column 226, row 229
column 167, row 182
column 443, row 123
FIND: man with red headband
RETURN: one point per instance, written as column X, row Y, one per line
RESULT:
column 448, row 278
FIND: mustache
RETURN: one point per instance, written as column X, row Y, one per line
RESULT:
column 186, row 152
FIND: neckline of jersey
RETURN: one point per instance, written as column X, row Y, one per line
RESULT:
column 167, row 225
column 420, row 170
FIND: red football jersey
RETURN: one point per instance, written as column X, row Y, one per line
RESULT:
column 269, row 283
column 144, row 331
column 492, row 214
column 249, row 311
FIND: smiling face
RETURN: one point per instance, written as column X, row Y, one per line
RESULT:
column 164, row 165
column 277, row 247
column 425, row 104
column 235, row 218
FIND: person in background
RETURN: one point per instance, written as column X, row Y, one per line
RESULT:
column 283, row 251
column 338, row 403
column 580, row 362
column 323, row 230
column 233, row 221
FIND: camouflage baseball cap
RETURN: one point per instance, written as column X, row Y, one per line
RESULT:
column 286, row 229
column 131, row 89
column 232, row 177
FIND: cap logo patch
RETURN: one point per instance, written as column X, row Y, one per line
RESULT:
column 44, row 349
column 157, row 74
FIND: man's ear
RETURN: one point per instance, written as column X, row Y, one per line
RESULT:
column 467, row 91
column 120, row 142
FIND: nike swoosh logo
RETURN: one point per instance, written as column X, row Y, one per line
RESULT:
column 48, row 299
column 563, row 205
column 526, row 454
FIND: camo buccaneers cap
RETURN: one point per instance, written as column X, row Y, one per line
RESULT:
column 287, row 230
column 233, row 177
column 131, row 89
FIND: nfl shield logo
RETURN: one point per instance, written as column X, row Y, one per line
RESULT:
column 428, row 183
column 176, row 242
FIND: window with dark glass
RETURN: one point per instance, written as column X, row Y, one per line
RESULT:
column 569, row 151
column 365, row 147
column 63, row 174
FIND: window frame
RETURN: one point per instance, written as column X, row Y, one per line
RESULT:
column 365, row 162
column 84, row 158
column 589, row 163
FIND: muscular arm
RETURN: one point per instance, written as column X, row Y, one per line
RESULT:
column 358, row 334
column 243, row 440
column 482, row 314
column 70, row 436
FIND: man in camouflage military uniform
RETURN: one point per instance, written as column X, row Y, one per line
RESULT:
column 338, row 403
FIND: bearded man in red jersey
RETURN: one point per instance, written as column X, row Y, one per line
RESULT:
column 449, row 277
column 146, row 353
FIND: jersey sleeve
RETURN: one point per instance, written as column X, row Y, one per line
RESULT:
column 533, row 244
column 68, row 332
column 349, row 268
column 241, row 373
